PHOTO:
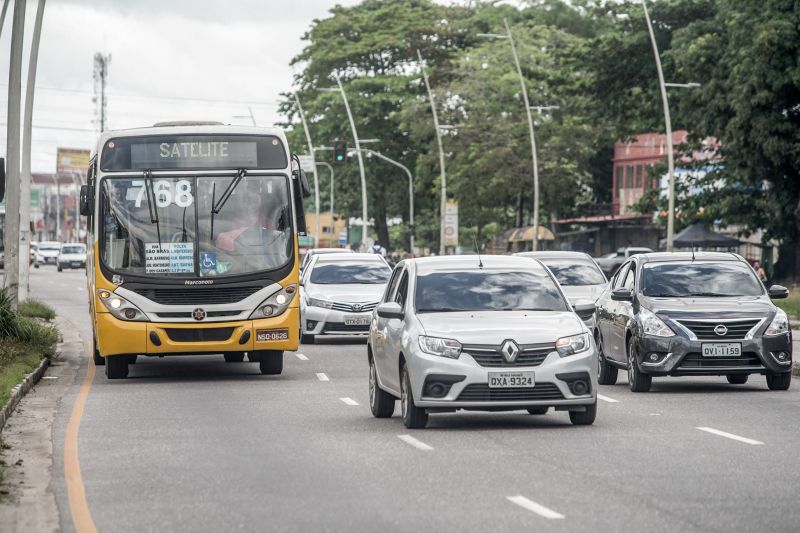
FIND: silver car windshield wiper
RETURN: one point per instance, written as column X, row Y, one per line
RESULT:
column 710, row 294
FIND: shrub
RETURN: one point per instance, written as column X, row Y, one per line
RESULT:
column 36, row 309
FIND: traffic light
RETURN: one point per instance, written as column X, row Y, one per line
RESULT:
column 340, row 151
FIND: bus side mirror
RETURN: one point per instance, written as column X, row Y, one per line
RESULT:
column 305, row 188
column 2, row 178
column 87, row 200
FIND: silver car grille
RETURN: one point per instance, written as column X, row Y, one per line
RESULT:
column 354, row 307
column 490, row 355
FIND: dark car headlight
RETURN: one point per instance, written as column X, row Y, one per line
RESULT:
column 652, row 325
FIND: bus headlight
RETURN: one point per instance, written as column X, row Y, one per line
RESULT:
column 276, row 304
column 120, row 307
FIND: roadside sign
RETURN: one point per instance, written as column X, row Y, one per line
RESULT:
column 307, row 163
column 451, row 223
column 71, row 161
column 342, row 238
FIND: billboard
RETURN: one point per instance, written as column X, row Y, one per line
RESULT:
column 451, row 223
column 71, row 161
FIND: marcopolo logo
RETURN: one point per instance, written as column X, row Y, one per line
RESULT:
column 198, row 314
column 199, row 282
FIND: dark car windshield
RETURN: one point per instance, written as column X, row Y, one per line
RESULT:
column 342, row 273
column 700, row 279
column 571, row 272
column 487, row 290
column 73, row 250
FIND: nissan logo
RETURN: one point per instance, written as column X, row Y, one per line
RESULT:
column 198, row 314
column 721, row 330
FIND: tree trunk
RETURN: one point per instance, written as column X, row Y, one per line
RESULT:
column 381, row 227
column 787, row 268
column 519, row 212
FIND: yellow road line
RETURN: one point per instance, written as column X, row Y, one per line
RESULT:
column 81, row 517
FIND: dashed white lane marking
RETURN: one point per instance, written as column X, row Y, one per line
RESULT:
column 534, row 507
column 349, row 401
column 730, row 436
column 322, row 376
column 301, row 357
column 416, row 443
column 655, row 414
column 607, row 399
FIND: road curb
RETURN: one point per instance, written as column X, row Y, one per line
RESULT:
column 796, row 368
column 19, row 392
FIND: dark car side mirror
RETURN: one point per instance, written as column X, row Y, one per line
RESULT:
column 390, row 310
column 776, row 292
column 86, row 200
column 584, row 309
column 622, row 295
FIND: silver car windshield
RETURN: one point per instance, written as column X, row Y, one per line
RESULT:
column 169, row 229
column 486, row 290
column 570, row 272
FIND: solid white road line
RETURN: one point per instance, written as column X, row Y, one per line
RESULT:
column 322, row 376
column 730, row 436
column 301, row 357
column 349, row 401
column 607, row 399
column 534, row 507
column 418, row 444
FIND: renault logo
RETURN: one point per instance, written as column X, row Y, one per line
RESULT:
column 721, row 330
column 198, row 314
column 510, row 351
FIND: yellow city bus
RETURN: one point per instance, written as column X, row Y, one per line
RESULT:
column 193, row 244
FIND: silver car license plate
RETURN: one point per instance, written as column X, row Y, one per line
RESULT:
column 721, row 349
column 511, row 380
column 355, row 320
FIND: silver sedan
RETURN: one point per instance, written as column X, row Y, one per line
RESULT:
column 480, row 333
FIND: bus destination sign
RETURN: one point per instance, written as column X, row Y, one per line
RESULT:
column 195, row 154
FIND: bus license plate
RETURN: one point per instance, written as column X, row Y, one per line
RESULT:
column 722, row 349
column 354, row 320
column 264, row 335
column 513, row 380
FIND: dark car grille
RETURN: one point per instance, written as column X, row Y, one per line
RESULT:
column 340, row 327
column 696, row 360
column 480, row 392
column 351, row 307
column 199, row 334
column 491, row 356
column 197, row 295
column 704, row 329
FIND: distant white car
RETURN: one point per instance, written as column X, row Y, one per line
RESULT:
column 338, row 293
column 72, row 255
column 48, row 252
column 319, row 251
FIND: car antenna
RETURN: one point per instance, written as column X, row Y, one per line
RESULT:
column 692, row 252
column 477, row 250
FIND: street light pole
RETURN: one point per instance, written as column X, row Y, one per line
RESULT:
column 330, row 169
column 668, row 123
column 364, row 238
column 25, row 185
column 410, row 190
column 443, row 173
column 314, row 167
column 12, row 222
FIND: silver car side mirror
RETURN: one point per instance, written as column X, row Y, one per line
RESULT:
column 584, row 309
column 390, row 310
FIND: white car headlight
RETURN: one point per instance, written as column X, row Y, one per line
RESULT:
column 652, row 325
column 573, row 344
column 318, row 302
column 276, row 304
column 779, row 324
column 120, row 307
column 441, row 347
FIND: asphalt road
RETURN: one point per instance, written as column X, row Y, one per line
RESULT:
column 197, row 444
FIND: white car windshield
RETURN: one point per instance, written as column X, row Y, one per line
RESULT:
column 575, row 272
column 73, row 250
column 487, row 290
column 347, row 273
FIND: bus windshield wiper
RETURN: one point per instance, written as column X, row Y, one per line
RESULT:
column 152, row 207
column 216, row 207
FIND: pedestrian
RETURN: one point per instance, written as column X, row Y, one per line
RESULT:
column 760, row 272
column 376, row 248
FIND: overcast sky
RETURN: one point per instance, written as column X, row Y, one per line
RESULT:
column 171, row 59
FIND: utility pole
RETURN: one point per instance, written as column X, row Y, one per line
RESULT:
column 25, row 185
column 101, row 63
column 364, row 238
column 314, row 167
column 3, row 15
column 11, row 277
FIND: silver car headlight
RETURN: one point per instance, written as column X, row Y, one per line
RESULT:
column 120, row 307
column 573, row 344
column 779, row 324
column 442, row 347
column 652, row 325
column 276, row 304
column 319, row 302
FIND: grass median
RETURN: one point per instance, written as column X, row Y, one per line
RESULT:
column 25, row 339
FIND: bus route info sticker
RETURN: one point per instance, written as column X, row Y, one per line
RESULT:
column 169, row 258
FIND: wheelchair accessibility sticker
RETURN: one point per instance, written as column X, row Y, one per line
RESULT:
column 208, row 260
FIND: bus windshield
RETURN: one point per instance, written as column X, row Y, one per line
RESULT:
column 165, row 226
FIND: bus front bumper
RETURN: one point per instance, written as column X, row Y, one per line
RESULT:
column 117, row 337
